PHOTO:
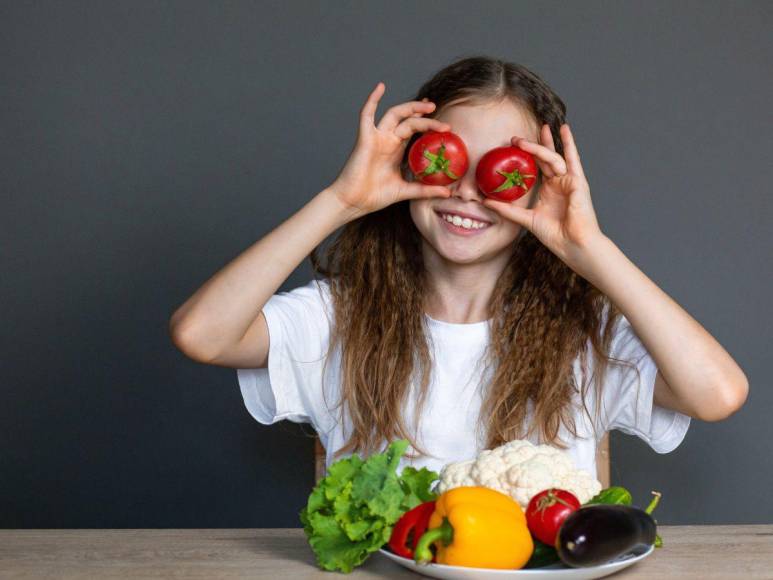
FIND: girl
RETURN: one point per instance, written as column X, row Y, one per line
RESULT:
column 456, row 335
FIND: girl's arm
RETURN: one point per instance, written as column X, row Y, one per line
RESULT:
column 696, row 376
column 222, row 322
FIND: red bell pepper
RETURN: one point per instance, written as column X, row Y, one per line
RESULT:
column 410, row 527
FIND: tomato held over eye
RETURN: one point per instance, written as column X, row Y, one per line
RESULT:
column 438, row 158
column 506, row 173
column 547, row 510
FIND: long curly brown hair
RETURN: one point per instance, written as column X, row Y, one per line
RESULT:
column 544, row 314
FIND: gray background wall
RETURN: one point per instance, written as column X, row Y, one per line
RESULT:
column 145, row 144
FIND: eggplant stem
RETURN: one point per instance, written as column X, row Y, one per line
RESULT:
column 654, row 502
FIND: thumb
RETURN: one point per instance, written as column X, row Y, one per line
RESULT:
column 418, row 190
column 515, row 213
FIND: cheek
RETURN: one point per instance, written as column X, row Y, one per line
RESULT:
column 511, row 230
column 508, row 232
column 420, row 212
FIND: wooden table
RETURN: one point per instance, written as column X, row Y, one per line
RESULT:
column 736, row 551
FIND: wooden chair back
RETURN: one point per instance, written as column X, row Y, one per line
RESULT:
column 602, row 461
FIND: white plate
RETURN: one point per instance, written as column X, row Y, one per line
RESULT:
column 557, row 571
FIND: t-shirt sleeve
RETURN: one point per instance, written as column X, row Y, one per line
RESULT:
column 628, row 398
column 291, row 386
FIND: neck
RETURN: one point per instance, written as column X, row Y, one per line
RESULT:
column 460, row 293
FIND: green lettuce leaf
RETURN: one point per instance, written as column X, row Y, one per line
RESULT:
column 351, row 511
column 417, row 484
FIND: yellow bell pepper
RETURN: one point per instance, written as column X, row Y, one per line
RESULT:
column 476, row 527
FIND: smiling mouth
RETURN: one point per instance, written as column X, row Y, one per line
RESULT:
column 459, row 224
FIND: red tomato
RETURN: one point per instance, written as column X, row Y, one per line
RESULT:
column 438, row 158
column 547, row 511
column 506, row 173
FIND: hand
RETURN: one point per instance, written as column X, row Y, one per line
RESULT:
column 563, row 218
column 371, row 178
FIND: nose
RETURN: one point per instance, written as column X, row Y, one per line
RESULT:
column 466, row 188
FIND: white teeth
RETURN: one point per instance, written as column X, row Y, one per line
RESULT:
column 466, row 223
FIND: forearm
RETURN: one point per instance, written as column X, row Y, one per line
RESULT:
column 219, row 313
column 698, row 370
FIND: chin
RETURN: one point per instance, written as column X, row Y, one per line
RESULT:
column 462, row 260
column 460, row 254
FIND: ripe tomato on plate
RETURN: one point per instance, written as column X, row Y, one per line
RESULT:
column 438, row 158
column 506, row 173
column 547, row 510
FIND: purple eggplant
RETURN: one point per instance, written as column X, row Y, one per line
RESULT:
column 596, row 534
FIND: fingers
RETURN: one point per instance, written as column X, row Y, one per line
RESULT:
column 546, row 136
column 403, row 111
column 570, row 151
column 396, row 117
column 550, row 162
column 415, row 124
column 368, row 111
column 417, row 190
column 419, row 114
column 515, row 213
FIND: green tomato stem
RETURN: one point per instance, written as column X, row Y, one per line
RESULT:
column 438, row 162
column 512, row 179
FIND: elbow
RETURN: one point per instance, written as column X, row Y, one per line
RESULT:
column 731, row 396
column 184, row 338
column 740, row 393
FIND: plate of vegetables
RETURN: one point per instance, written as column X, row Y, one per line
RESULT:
column 482, row 534
column 551, row 572
column 451, row 526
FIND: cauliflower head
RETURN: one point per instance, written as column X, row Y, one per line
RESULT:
column 521, row 470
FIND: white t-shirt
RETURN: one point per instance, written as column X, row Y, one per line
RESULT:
column 292, row 388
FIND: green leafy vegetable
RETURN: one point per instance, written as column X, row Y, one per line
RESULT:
column 543, row 555
column 351, row 511
column 615, row 495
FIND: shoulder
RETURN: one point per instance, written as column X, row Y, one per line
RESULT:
column 606, row 367
column 313, row 296
column 300, row 319
column 623, row 337
column 319, row 287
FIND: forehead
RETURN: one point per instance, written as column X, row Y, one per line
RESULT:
column 488, row 125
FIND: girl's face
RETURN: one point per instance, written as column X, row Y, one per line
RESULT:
column 482, row 128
